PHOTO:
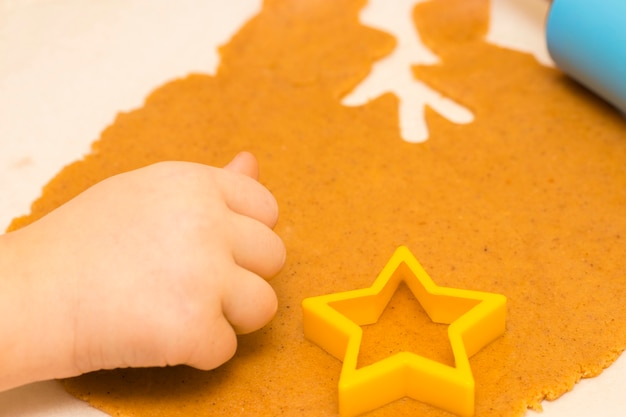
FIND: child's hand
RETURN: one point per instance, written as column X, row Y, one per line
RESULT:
column 158, row 266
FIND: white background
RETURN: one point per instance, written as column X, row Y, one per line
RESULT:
column 68, row 66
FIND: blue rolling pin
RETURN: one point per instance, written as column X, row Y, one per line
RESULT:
column 587, row 40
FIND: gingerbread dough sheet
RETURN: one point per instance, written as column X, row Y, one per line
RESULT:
column 517, row 187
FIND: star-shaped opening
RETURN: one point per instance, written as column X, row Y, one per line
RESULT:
column 403, row 325
column 475, row 319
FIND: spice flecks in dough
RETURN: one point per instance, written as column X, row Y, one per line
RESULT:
column 527, row 201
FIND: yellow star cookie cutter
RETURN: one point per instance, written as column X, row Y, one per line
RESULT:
column 475, row 319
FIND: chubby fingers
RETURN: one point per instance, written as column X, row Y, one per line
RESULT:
column 246, row 196
column 244, row 163
column 256, row 247
column 249, row 302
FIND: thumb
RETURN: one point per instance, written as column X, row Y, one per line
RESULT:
column 244, row 163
